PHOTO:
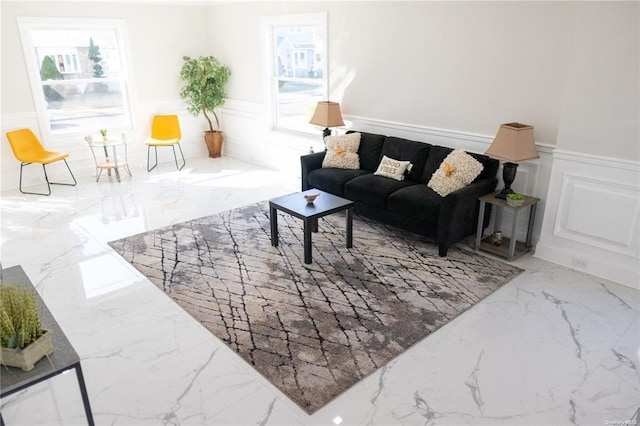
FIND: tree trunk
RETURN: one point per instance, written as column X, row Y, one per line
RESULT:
column 214, row 143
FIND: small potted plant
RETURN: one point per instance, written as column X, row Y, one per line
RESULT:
column 23, row 341
column 514, row 199
column 204, row 90
column 103, row 132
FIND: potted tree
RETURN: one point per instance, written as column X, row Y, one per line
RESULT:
column 204, row 91
column 23, row 341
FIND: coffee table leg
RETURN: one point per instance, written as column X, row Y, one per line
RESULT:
column 350, row 227
column 308, row 225
column 273, row 220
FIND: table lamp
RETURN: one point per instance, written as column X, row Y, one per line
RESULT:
column 327, row 115
column 513, row 143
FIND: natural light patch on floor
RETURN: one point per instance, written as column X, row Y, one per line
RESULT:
column 230, row 178
column 103, row 274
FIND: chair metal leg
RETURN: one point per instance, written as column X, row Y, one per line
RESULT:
column 75, row 182
column 148, row 153
column 34, row 193
column 46, row 178
column 176, row 158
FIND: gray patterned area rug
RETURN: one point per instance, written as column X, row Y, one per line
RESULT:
column 312, row 330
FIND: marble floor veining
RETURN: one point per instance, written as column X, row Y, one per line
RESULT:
column 551, row 347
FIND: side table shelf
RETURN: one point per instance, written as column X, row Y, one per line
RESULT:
column 509, row 248
column 502, row 250
column 113, row 162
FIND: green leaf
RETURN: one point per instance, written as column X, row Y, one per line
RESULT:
column 204, row 90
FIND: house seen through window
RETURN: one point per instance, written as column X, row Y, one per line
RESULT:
column 78, row 74
column 297, row 69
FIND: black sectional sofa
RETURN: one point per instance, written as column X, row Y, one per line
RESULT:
column 408, row 204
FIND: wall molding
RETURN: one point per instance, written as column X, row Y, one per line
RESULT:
column 419, row 129
column 596, row 160
column 425, row 133
column 243, row 109
column 592, row 219
column 623, row 202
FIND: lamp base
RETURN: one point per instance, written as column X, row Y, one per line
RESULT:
column 503, row 194
column 508, row 176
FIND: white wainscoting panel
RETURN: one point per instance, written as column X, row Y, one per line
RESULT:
column 592, row 220
column 587, row 207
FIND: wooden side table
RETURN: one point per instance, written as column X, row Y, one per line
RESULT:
column 508, row 248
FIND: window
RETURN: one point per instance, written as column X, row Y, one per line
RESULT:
column 296, row 68
column 78, row 74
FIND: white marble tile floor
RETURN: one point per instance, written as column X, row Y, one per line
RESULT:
column 552, row 347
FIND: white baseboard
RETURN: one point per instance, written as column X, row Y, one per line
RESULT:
column 623, row 272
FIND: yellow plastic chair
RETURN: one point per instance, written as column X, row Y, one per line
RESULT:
column 27, row 149
column 165, row 131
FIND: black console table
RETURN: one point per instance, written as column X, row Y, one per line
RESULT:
column 63, row 358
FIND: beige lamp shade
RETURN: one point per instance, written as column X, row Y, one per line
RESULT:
column 514, row 142
column 327, row 114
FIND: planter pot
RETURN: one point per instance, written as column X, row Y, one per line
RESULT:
column 214, row 143
column 515, row 203
column 26, row 358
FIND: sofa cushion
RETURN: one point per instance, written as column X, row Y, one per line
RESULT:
column 406, row 150
column 373, row 190
column 370, row 150
column 457, row 170
column 392, row 168
column 333, row 180
column 418, row 202
column 490, row 165
column 342, row 151
column 437, row 154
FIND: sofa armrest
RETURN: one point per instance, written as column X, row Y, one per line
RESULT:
column 459, row 212
column 309, row 163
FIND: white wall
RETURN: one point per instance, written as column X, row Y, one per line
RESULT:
column 601, row 99
column 452, row 65
column 450, row 73
column 159, row 36
column 592, row 220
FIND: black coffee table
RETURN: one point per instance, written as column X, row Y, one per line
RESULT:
column 63, row 358
column 297, row 206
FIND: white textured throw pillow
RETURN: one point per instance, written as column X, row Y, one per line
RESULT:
column 342, row 151
column 458, row 170
column 391, row 168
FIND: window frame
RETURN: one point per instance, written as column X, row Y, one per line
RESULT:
column 270, row 79
column 118, row 26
